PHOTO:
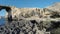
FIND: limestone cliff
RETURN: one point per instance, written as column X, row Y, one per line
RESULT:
column 37, row 12
column 33, row 21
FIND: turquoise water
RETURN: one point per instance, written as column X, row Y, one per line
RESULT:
column 2, row 21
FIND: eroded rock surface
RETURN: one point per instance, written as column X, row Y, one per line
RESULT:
column 33, row 21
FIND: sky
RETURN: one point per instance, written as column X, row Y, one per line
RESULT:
column 26, row 3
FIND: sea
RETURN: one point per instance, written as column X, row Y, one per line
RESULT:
column 2, row 21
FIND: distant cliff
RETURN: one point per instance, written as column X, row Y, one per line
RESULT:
column 48, row 12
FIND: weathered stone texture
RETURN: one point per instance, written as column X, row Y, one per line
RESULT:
column 33, row 21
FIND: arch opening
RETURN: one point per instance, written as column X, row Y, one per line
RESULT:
column 2, row 16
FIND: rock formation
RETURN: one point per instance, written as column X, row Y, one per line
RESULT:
column 33, row 20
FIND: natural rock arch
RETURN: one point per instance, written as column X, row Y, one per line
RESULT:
column 8, row 10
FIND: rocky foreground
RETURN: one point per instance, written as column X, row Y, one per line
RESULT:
column 33, row 21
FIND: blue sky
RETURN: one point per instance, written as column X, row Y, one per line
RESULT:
column 27, row 3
